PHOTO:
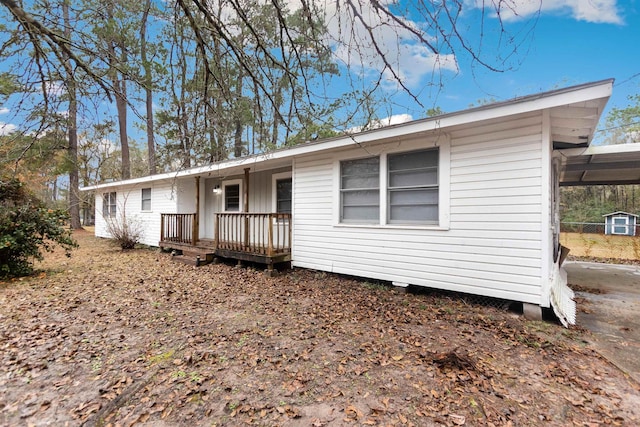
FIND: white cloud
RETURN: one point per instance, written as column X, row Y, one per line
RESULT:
column 107, row 146
column 4, row 110
column 7, row 128
column 55, row 88
column 387, row 121
column 407, row 58
column 596, row 11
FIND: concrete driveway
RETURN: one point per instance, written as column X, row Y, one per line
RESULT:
column 609, row 306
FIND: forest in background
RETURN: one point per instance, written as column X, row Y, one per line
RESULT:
column 589, row 204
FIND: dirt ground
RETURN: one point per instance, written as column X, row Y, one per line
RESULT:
column 604, row 248
column 132, row 338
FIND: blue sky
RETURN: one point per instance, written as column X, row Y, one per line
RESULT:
column 573, row 42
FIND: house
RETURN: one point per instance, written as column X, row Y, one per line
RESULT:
column 466, row 201
column 620, row 223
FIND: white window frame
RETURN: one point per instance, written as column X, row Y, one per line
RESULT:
column 443, row 143
column 142, row 199
column 625, row 225
column 109, row 213
column 274, row 189
column 230, row 182
column 340, row 191
column 431, row 186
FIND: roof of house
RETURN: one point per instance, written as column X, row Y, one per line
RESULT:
column 620, row 213
column 573, row 115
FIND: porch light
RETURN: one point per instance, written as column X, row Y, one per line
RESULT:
column 217, row 190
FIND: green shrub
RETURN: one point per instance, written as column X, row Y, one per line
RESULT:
column 27, row 227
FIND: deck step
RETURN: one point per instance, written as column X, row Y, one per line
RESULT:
column 191, row 260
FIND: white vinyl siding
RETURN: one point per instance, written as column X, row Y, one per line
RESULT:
column 129, row 199
column 491, row 244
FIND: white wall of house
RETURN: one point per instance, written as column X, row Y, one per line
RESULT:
column 489, row 240
column 129, row 208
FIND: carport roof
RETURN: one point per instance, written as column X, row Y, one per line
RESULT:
column 601, row 165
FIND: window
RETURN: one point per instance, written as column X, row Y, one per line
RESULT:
column 109, row 204
column 360, row 190
column 398, row 188
column 232, row 198
column 412, row 187
column 146, row 199
column 620, row 225
column 283, row 195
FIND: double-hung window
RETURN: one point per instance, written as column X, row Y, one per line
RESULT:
column 146, row 199
column 360, row 190
column 408, row 182
column 109, row 204
column 412, row 187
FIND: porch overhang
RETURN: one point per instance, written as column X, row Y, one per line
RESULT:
column 601, row 165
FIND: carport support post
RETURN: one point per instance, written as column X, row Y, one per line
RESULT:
column 531, row 311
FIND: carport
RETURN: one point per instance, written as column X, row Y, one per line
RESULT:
column 610, row 292
column 600, row 165
column 577, row 163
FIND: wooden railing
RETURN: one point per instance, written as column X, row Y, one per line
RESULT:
column 258, row 233
column 179, row 228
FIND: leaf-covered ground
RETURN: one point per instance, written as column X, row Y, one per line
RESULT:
column 132, row 338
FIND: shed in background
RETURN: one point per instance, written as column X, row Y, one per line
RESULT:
column 620, row 223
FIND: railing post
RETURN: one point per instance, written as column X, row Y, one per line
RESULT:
column 162, row 227
column 246, row 230
column 179, row 226
column 216, row 231
column 289, row 227
column 194, row 229
column 270, row 243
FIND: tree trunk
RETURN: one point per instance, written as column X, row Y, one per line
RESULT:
column 148, row 87
column 72, row 125
column 120, row 88
column 121, row 106
column 237, row 144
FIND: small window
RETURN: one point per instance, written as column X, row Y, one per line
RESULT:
column 620, row 225
column 413, row 187
column 232, row 198
column 109, row 204
column 360, row 190
column 146, row 199
column 283, row 195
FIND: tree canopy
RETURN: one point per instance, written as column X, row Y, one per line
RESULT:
column 206, row 81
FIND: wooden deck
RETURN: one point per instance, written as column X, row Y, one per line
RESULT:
column 263, row 238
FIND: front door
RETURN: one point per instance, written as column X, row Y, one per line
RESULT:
column 211, row 206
